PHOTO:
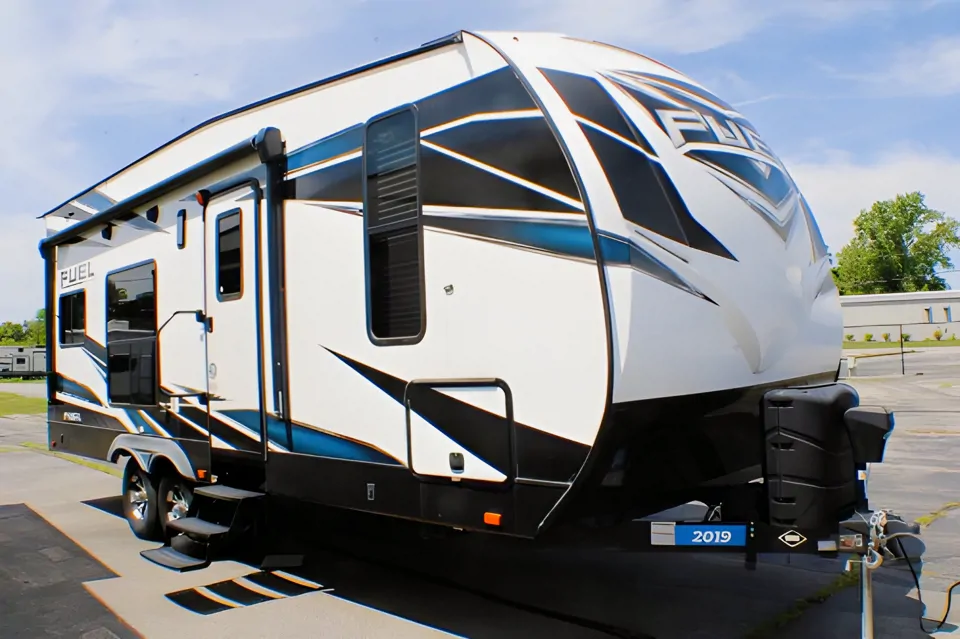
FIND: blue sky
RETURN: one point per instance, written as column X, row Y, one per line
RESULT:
column 858, row 97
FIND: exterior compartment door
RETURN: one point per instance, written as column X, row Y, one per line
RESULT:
column 459, row 439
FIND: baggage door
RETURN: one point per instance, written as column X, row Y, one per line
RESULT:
column 234, row 337
column 461, row 429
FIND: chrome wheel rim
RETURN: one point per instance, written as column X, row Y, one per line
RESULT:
column 139, row 501
column 178, row 503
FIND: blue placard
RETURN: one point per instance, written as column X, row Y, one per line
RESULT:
column 710, row 535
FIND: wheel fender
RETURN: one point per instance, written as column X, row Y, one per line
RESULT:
column 146, row 449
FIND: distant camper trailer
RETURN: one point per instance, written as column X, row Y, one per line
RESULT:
column 23, row 361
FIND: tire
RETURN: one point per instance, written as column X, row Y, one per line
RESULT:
column 140, row 502
column 175, row 497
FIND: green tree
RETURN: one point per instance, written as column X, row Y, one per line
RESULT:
column 29, row 333
column 35, row 331
column 899, row 245
column 11, row 333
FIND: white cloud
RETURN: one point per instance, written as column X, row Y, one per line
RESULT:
column 21, row 291
column 928, row 69
column 66, row 62
column 685, row 26
column 838, row 188
column 101, row 57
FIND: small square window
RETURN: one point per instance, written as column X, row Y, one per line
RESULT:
column 73, row 318
column 229, row 256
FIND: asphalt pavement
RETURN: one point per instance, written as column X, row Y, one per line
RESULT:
column 937, row 362
column 663, row 596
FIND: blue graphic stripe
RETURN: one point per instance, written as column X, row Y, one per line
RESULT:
column 340, row 143
column 563, row 238
column 622, row 252
column 775, row 187
column 690, row 88
column 310, row 441
column 74, row 389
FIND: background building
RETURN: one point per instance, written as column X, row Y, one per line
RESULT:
column 920, row 313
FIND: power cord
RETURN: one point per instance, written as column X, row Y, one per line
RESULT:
column 916, row 580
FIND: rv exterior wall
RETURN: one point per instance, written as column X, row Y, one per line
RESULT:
column 722, row 280
column 558, row 248
column 921, row 313
column 498, row 302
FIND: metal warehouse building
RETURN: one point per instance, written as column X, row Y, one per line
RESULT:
column 920, row 314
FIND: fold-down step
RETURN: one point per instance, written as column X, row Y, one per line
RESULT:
column 197, row 527
column 219, row 491
column 169, row 558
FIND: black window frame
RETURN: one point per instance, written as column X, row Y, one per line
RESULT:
column 62, row 324
column 238, row 212
column 182, row 228
column 151, row 341
column 402, row 227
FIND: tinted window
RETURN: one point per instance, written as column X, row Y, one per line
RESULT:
column 229, row 256
column 72, row 317
column 392, row 210
column 132, row 335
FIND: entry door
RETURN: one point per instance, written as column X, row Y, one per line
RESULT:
column 233, row 375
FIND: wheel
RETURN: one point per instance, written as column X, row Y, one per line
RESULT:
column 140, row 501
column 176, row 495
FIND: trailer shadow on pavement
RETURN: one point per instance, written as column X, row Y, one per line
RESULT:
column 469, row 586
column 69, row 565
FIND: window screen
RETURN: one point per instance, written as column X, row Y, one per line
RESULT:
column 392, row 213
column 132, row 335
column 229, row 256
column 72, row 317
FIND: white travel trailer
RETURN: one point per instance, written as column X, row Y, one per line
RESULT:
column 22, row 361
column 519, row 283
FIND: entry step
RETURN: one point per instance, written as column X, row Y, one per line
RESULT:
column 169, row 558
column 199, row 527
column 219, row 491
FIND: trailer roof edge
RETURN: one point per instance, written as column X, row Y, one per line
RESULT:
column 266, row 144
column 453, row 38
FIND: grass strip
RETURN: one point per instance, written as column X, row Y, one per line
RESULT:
column 926, row 520
column 843, row 581
column 89, row 463
column 770, row 628
column 927, row 343
column 13, row 404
